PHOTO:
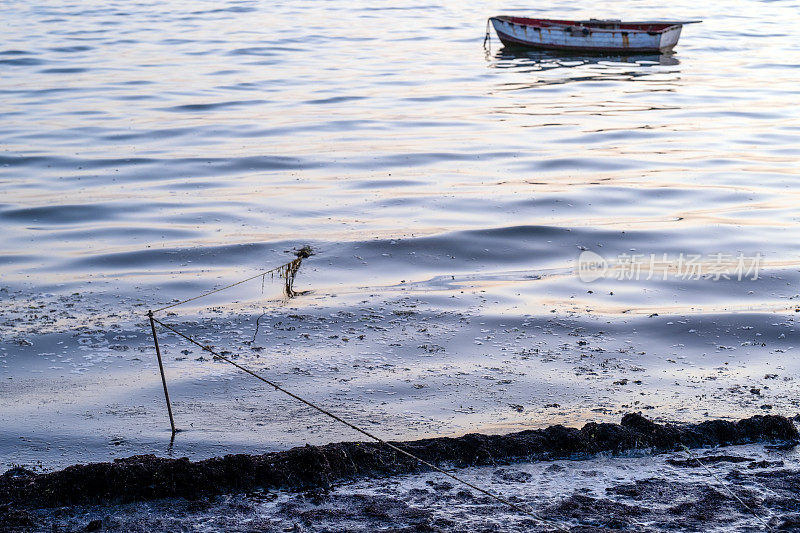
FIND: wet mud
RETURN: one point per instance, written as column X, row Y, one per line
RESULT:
column 147, row 477
column 749, row 487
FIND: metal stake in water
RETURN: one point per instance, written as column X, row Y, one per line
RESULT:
column 163, row 377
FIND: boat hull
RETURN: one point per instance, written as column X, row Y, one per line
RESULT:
column 574, row 38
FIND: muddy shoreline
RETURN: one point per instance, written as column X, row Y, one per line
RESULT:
column 147, row 477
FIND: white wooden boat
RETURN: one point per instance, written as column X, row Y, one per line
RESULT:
column 588, row 35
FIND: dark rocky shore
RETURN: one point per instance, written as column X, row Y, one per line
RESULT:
column 148, row 477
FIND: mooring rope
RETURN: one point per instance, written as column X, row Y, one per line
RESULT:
column 261, row 274
column 289, row 269
column 389, row 445
column 727, row 489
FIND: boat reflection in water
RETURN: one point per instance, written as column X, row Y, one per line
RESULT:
column 580, row 66
column 568, row 59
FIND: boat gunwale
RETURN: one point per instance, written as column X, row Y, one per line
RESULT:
column 592, row 24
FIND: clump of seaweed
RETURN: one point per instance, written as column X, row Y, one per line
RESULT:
column 289, row 271
column 146, row 477
column 305, row 252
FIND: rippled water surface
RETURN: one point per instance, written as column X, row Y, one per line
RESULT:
column 150, row 150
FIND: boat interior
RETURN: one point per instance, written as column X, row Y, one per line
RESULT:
column 597, row 24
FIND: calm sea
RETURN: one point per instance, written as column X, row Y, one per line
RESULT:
column 150, row 150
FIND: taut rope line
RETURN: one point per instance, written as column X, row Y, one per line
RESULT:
column 727, row 489
column 264, row 273
column 287, row 270
column 364, row 432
